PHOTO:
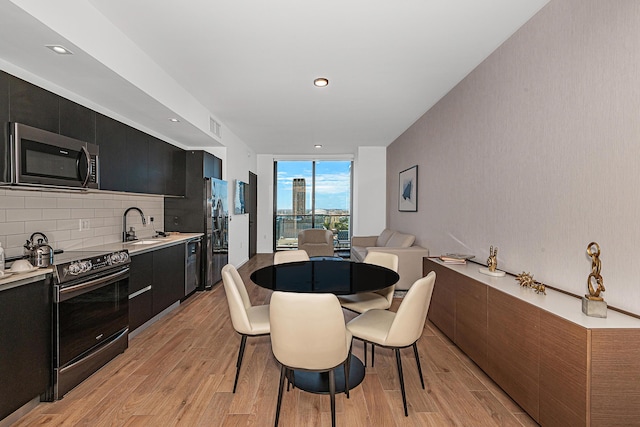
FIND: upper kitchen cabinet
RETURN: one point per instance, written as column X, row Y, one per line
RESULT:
column 33, row 106
column 212, row 165
column 77, row 121
column 4, row 97
column 137, row 154
column 111, row 137
column 131, row 160
column 166, row 168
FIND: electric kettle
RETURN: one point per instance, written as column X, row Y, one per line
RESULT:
column 40, row 254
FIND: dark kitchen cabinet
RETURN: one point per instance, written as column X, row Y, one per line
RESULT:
column 77, row 121
column 123, row 156
column 140, row 290
column 141, row 272
column 111, row 137
column 25, row 344
column 140, row 309
column 166, row 168
column 137, row 161
column 33, row 105
column 131, row 160
column 157, row 280
column 4, row 98
column 168, row 276
column 187, row 214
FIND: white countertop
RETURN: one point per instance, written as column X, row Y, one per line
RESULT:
column 558, row 303
column 18, row 279
column 136, row 249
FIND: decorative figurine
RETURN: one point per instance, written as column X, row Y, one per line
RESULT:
column 526, row 279
column 492, row 261
column 492, row 264
column 593, row 304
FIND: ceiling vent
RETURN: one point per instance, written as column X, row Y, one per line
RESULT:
column 214, row 127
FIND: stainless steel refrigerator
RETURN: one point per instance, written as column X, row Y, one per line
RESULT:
column 217, row 234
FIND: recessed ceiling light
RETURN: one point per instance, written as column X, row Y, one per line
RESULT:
column 59, row 49
column 173, row 119
column 321, row 82
column 317, row 146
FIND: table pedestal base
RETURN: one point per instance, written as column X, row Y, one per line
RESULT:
column 318, row 382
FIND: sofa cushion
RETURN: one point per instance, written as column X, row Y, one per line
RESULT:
column 400, row 240
column 384, row 237
column 358, row 253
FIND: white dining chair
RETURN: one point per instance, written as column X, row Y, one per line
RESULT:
column 298, row 255
column 380, row 299
column 248, row 320
column 308, row 333
column 398, row 330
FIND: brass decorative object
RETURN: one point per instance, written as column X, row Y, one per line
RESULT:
column 492, row 264
column 492, row 261
column 594, row 294
column 526, row 279
column 592, row 303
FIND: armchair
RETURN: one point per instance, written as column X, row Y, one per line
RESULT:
column 316, row 242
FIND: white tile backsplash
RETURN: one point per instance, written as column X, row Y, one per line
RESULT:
column 58, row 214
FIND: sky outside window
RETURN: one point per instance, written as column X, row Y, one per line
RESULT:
column 333, row 183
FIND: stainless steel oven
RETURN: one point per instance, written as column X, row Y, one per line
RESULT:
column 91, row 315
column 41, row 158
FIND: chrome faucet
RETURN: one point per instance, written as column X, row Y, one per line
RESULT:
column 128, row 236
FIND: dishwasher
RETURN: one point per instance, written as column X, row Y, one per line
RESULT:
column 192, row 262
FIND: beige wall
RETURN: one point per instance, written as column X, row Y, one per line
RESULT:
column 537, row 151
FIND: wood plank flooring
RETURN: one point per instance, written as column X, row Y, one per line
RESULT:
column 180, row 372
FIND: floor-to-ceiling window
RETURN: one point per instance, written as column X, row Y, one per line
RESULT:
column 312, row 194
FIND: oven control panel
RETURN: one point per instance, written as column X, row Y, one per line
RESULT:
column 76, row 268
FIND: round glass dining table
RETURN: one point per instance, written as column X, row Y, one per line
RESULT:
column 326, row 275
column 337, row 277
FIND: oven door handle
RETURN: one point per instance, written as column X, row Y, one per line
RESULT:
column 66, row 293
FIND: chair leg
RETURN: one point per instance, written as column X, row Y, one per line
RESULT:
column 347, row 369
column 243, row 342
column 365, row 353
column 332, row 393
column 280, row 387
column 404, row 396
column 291, row 379
column 415, row 351
column 373, row 354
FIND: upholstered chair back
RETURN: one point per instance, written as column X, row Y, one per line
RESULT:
column 308, row 330
column 412, row 314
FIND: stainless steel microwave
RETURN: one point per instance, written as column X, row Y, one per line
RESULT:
column 40, row 158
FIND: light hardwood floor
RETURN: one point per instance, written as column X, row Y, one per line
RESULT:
column 180, row 371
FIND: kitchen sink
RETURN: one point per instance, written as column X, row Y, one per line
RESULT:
column 146, row 242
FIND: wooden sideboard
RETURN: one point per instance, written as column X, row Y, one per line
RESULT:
column 562, row 367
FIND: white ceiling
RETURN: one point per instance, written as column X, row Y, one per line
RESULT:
column 250, row 64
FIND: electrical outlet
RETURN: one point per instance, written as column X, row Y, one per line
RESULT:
column 84, row 225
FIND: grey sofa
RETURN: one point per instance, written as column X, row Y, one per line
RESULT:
column 401, row 244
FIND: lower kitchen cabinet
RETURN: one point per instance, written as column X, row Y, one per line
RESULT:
column 168, row 276
column 25, row 344
column 140, row 309
column 157, row 280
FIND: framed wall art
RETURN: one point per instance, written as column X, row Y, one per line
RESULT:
column 408, row 192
